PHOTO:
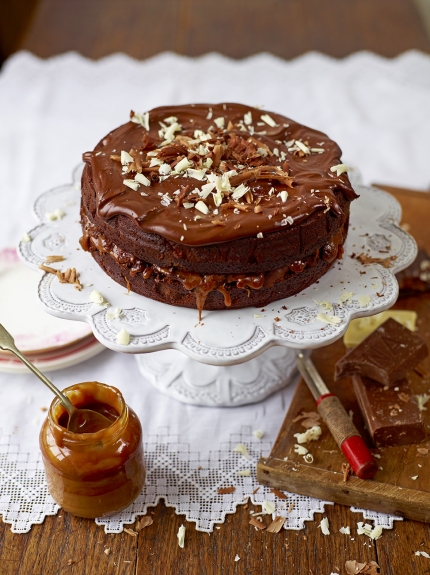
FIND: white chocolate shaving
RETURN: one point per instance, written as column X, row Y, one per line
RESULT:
column 123, row 337
column 142, row 119
column 97, row 298
column 268, row 507
column 269, row 120
column 202, row 207
column 143, row 179
column 339, row 169
column 220, row 122
column 126, row 158
column 311, row 434
column 302, row 147
column 239, row 192
column 345, row 297
column 422, row 399
column 182, row 165
column 241, row 448
column 258, row 433
column 331, row 319
column 197, row 174
column 364, row 300
column 131, row 184
column 181, row 536
column 324, row 526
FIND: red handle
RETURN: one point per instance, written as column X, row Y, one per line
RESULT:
column 347, row 436
column 359, row 457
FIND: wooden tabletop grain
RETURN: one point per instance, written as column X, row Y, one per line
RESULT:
column 235, row 28
column 66, row 545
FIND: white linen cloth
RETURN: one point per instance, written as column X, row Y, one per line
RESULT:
column 53, row 110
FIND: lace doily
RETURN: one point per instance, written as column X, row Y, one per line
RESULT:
column 185, row 479
column 378, row 104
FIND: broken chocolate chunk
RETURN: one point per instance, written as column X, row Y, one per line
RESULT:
column 387, row 355
column 389, row 420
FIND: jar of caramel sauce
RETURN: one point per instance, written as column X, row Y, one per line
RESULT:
column 98, row 473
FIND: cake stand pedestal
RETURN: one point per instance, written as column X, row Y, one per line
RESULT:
column 231, row 357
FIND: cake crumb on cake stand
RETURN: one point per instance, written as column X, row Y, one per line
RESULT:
column 231, row 357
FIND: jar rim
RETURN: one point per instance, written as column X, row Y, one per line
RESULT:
column 85, row 438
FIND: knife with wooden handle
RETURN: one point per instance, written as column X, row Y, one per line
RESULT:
column 338, row 421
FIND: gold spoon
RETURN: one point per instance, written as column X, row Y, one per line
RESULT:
column 80, row 420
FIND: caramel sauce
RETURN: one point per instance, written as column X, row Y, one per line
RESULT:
column 202, row 284
column 98, row 473
column 90, row 426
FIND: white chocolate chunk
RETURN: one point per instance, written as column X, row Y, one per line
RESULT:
column 123, row 337
column 141, row 179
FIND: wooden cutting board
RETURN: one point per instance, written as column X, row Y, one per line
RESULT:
column 402, row 484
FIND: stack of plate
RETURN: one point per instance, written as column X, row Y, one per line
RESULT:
column 49, row 342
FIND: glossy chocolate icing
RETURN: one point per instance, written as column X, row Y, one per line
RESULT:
column 306, row 176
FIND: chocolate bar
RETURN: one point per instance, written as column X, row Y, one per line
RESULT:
column 391, row 414
column 387, row 355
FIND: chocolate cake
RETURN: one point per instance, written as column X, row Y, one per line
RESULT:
column 215, row 206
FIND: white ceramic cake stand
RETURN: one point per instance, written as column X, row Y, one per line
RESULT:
column 232, row 357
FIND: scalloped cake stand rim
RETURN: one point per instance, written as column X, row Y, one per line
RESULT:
column 260, row 340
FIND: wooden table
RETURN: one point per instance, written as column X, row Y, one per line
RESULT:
column 236, row 28
column 67, row 545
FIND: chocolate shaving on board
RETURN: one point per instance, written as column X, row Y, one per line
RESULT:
column 310, row 419
column 347, row 471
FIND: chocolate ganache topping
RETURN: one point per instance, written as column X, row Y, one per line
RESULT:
column 203, row 174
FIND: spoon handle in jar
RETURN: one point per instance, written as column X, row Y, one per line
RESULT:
column 7, row 343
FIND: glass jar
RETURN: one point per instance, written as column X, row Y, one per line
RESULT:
column 93, row 474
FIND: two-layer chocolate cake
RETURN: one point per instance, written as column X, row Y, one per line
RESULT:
column 215, row 206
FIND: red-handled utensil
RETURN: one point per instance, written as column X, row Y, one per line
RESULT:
column 338, row 421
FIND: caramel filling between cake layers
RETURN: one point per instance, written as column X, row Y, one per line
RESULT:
column 203, row 284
